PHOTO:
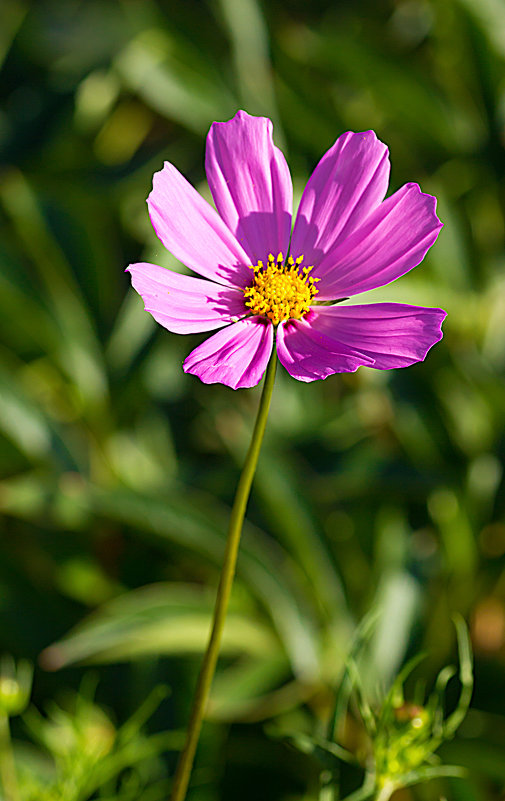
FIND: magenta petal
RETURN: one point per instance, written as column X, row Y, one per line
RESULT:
column 236, row 356
column 348, row 183
column 392, row 334
column 183, row 304
column 309, row 354
column 393, row 239
column 250, row 183
column 193, row 231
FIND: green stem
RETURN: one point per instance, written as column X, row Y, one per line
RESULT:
column 327, row 786
column 7, row 766
column 386, row 792
column 207, row 670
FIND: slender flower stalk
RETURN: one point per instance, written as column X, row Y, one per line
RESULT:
column 15, row 689
column 207, row 670
column 7, row 766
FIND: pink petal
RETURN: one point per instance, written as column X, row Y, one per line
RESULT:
column 348, row 183
column 236, row 356
column 183, row 304
column 393, row 240
column 250, row 183
column 193, row 231
column 308, row 354
column 392, row 334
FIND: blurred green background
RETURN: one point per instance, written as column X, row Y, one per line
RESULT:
column 117, row 470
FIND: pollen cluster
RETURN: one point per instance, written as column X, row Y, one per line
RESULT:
column 280, row 290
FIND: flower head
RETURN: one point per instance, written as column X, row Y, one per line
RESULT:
column 261, row 280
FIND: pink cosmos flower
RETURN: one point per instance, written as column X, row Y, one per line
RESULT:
column 346, row 239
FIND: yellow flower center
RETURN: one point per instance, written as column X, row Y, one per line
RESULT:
column 281, row 290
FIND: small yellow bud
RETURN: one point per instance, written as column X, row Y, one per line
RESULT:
column 15, row 686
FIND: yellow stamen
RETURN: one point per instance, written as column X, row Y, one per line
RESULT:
column 281, row 291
